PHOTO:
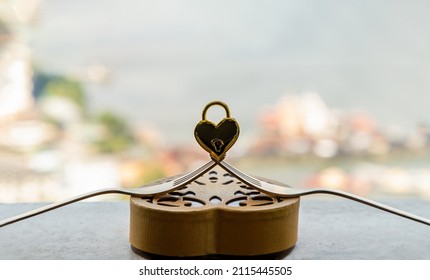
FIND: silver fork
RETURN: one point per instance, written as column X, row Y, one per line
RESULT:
column 291, row 192
column 162, row 188
column 280, row 190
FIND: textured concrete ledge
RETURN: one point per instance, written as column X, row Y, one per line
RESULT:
column 328, row 229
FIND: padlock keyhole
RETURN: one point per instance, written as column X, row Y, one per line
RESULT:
column 217, row 144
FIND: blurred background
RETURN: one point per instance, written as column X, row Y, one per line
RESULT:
column 106, row 93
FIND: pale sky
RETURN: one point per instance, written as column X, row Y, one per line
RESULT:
column 170, row 58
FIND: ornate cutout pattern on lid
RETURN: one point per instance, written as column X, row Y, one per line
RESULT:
column 216, row 188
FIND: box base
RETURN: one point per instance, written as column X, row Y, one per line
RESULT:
column 272, row 256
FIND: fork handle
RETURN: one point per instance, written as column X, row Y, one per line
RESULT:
column 369, row 202
column 288, row 192
column 56, row 205
column 140, row 192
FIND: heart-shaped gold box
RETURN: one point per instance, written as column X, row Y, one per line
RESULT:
column 215, row 214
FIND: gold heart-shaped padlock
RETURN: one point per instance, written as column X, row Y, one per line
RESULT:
column 217, row 139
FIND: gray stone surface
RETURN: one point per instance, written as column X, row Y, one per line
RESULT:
column 328, row 229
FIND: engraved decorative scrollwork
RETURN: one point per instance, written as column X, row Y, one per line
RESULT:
column 213, row 189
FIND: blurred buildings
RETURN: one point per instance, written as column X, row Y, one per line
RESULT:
column 305, row 125
column 344, row 144
column 52, row 146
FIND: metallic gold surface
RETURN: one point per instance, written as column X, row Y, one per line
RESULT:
column 217, row 139
column 217, row 214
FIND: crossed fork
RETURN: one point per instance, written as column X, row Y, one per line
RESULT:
column 276, row 189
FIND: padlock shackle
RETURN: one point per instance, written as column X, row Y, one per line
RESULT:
column 219, row 103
